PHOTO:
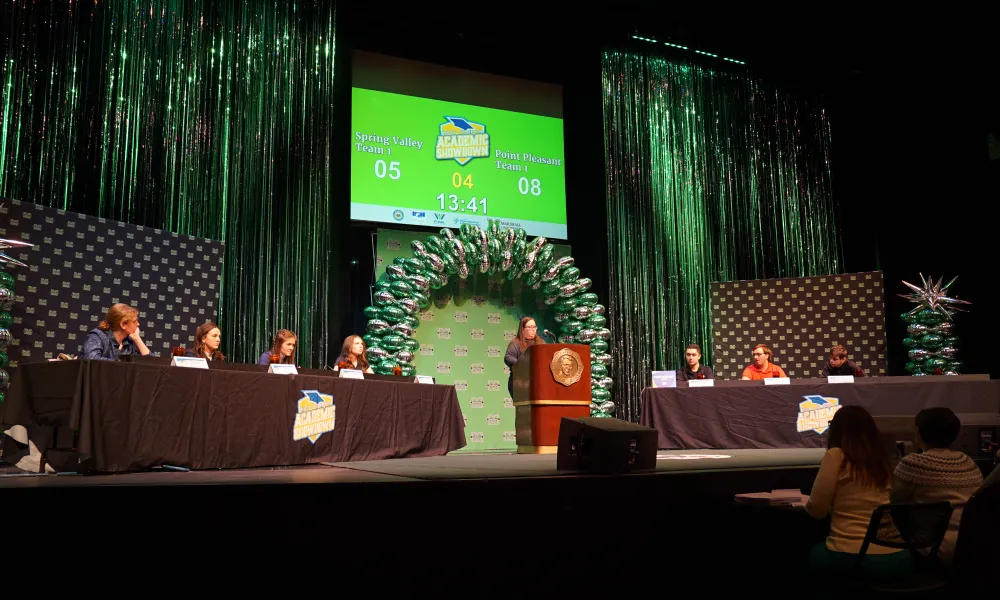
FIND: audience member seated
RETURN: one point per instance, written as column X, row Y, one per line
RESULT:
column 117, row 335
column 353, row 355
column 207, row 339
column 939, row 473
column 283, row 349
column 762, row 367
column 854, row 478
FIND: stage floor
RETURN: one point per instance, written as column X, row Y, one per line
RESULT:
column 455, row 467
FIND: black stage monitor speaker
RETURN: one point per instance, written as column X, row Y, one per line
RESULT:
column 605, row 446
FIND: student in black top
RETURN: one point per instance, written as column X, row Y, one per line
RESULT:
column 839, row 365
column 694, row 368
column 207, row 339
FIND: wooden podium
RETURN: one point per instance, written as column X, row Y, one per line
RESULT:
column 551, row 381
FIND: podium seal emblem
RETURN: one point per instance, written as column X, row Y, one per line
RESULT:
column 566, row 367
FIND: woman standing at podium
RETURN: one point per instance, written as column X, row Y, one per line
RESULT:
column 527, row 335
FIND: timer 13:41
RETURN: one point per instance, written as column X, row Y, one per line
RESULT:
column 455, row 204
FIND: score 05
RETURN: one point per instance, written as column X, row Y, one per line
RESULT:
column 382, row 170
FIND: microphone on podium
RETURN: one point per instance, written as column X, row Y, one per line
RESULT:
column 552, row 336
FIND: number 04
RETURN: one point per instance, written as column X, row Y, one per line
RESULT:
column 393, row 169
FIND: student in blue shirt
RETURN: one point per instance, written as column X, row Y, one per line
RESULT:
column 117, row 335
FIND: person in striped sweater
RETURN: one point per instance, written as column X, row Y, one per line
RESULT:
column 938, row 473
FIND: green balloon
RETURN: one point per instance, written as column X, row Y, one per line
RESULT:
column 588, row 299
column 552, row 288
column 908, row 318
column 373, row 312
column 372, row 340
column 596, row 322
column 598, row 346
column 598, row 370
column 566, row 305
column 912, row 367
column 393, row 314
column 414, row 265
column 955, row 365
column 386, row 367
column 599, row 394
column 932, row 341
column 2, row 397
column 7, row 280
column 435, row 244
column 4, row 361
column 569, row 275
column 951, row 340
column 411, row 344
column 544, row 258
column 411, row 321
column 929, row 317
column 393, row 341
column 408, row 370
column 383, row 284
column 401, row 289
column 533, row 278
column 910, row 342
column 571, row 326
column 520, row 250
column 424, row 300
column 6, row 320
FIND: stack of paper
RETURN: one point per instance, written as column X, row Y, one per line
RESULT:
column 773, row 498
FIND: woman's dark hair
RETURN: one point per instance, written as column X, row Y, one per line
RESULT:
column 853, row 430
column 199, row 342
column 938, row 427
column 346, row 349
column 520, row 334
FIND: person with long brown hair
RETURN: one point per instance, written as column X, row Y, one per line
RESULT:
column 283, row 348
column 854, row 478
column 207, row 339
column 353, row 354
column 117, row 335
column 527, row 335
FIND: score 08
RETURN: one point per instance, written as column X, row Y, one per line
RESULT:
column 529, row 186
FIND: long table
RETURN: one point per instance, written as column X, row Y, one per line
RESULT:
column 133, row 416
column 749, row 414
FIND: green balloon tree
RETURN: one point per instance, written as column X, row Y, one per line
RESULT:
column 403, row 291
column 6, row 302
column 931, row 342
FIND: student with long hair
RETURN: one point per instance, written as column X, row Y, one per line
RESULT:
column 354, row 353
column 207, row 339
column 117, row 335
column 283, row 347
column 854, row 478
column 527, row 335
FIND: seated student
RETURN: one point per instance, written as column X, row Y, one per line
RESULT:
column 207, row 339
column 839, row 365
column 939, row 473
column 283, row 348
column 762, row 367
column 354, row 354
column 854, row 477
column 694, row 370
column 117, row 335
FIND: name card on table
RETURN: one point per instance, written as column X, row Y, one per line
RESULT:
column 777, row 381
column 190, row 362
column 280, row 369
column 424, row 379
column 351, row 374
column 840, row 379
column 664, row 379
column 701, row 383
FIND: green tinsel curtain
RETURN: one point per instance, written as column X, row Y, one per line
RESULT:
column 711, row 176
column 201, row 117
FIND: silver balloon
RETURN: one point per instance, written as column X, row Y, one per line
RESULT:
column 607, row 407
column 463, row 271
column 583, row 284
column 395, row 270
column 4, row 379
column 447, row 233
column 384, row 298
column 405, row 329
column 484, row 262
column 948, row 352
column 458, row 250
column 507, row 260
column 566, row 339
column 404, row 356
column 420, row 282
column 561, row 317
column 950, row 373
column 409, row 305
column 594, row 407
column 434, row 261
column 946, row 327
column 552, row 300
column 916, row 329
column 377, row 326
column 509, row 237
column 604, row 359
column 918, row 354
column 5, row 338
column 567, row 290
column 598, row 309
column 604, row 334
column 585, row 336
column 6, row 298
column 376, row 354
column 418, row 247
column 605, row 382
column 582, row 312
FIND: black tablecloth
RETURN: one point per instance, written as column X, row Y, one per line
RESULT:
column 130, row 416
column 759, row 416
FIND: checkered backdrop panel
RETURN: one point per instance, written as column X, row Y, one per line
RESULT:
column 800, row 319
column 82, row 265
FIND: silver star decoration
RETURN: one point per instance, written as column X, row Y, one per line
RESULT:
column 6, row 260
column 934, row 296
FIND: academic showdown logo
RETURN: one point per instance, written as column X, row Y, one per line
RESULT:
column 462, row 140
column 815, row 413
column 317, row 415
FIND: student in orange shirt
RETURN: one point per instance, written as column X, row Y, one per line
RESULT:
column 761, row 367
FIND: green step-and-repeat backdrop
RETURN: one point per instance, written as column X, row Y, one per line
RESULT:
column 463, row 337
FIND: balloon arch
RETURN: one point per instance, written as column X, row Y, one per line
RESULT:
column 403, row 291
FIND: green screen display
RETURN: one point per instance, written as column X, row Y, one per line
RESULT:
column 418, row 161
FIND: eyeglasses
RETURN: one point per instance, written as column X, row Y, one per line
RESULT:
column 531, row 326
column 758, row 354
